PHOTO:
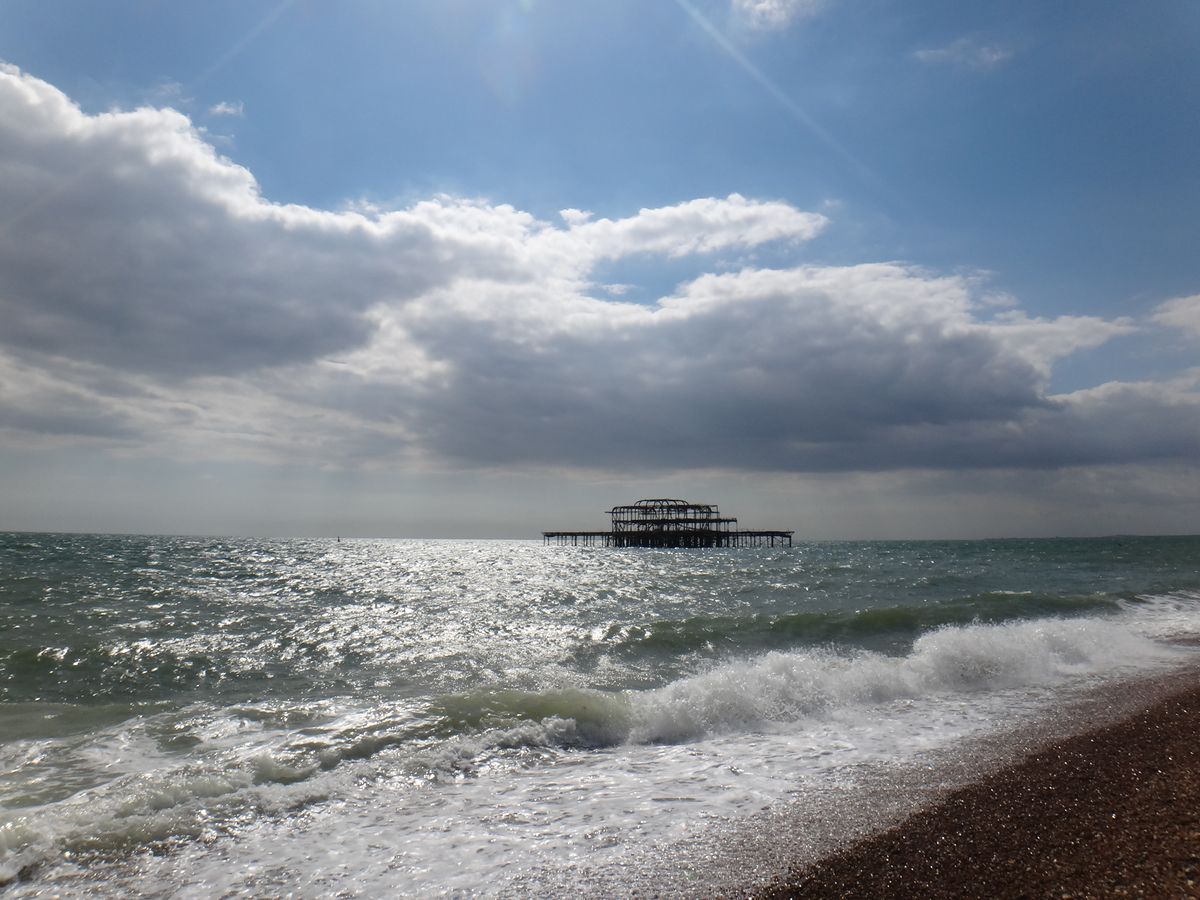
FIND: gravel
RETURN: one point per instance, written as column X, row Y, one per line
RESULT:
column 1114, row 812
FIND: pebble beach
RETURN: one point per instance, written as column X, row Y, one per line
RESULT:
column 1113, row 812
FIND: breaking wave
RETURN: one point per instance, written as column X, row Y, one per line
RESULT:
column 867, row 627
column 781, row 688
column 461, row 735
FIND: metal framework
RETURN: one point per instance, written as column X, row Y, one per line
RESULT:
column 665, row 522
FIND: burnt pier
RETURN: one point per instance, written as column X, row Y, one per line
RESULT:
column 664, row 522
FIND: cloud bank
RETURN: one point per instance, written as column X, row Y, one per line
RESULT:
column 154, row 302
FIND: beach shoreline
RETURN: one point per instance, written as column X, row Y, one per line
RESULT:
column 1113, row 811
column 196, row 717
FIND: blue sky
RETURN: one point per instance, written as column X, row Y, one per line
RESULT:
column 874, row 268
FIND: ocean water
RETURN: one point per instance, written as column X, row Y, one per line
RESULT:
column 201, row 717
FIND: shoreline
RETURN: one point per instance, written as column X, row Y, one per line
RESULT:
column 1110, row 812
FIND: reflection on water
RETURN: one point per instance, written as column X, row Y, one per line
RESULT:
column 503, row 715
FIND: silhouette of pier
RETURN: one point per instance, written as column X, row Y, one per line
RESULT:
column 664, row 522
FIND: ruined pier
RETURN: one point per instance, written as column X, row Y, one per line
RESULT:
column 665, row 522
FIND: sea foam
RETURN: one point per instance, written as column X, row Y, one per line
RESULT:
column 786, row 687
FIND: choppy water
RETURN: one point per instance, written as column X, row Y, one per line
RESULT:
column 185, row 716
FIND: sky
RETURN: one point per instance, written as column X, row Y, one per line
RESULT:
column 483, row 268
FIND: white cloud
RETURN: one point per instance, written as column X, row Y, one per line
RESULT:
column 127, row 240
column 575, row 216
column 697, row 226
column 966, row 53
column 1043, row 342
column 155, row 303
column 226, row 108
column 1182, row 313
column 775, row 13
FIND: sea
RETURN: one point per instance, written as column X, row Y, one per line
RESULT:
column 201, row 717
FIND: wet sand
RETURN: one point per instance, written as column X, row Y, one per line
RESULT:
column 1111, row 813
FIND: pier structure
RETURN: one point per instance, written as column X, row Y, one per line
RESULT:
column 665, row 522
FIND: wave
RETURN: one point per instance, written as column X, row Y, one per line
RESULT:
column 134, row 811
column 857, row 628
column 136, row 670
column 470, row 733
column 781, row 688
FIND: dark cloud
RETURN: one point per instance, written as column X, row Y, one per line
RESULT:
column 809, row 369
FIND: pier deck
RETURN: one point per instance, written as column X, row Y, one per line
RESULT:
column 665, row 522
column 670, row 539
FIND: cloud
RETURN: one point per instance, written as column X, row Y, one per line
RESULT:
column 155, row 303
column 811, row 368
column 966, row 53
column 697, row 226
column 1043, row 342
column 34, row 401
column 168, row 93
column 128, row 241
column 775, row 13
column 1182, row 313
column 225, row 108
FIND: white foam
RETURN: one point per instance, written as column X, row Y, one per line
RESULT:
column 789, row 687
column 1168, row 616
column 516, row 806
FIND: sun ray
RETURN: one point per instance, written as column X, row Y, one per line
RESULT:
column 774, row 91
